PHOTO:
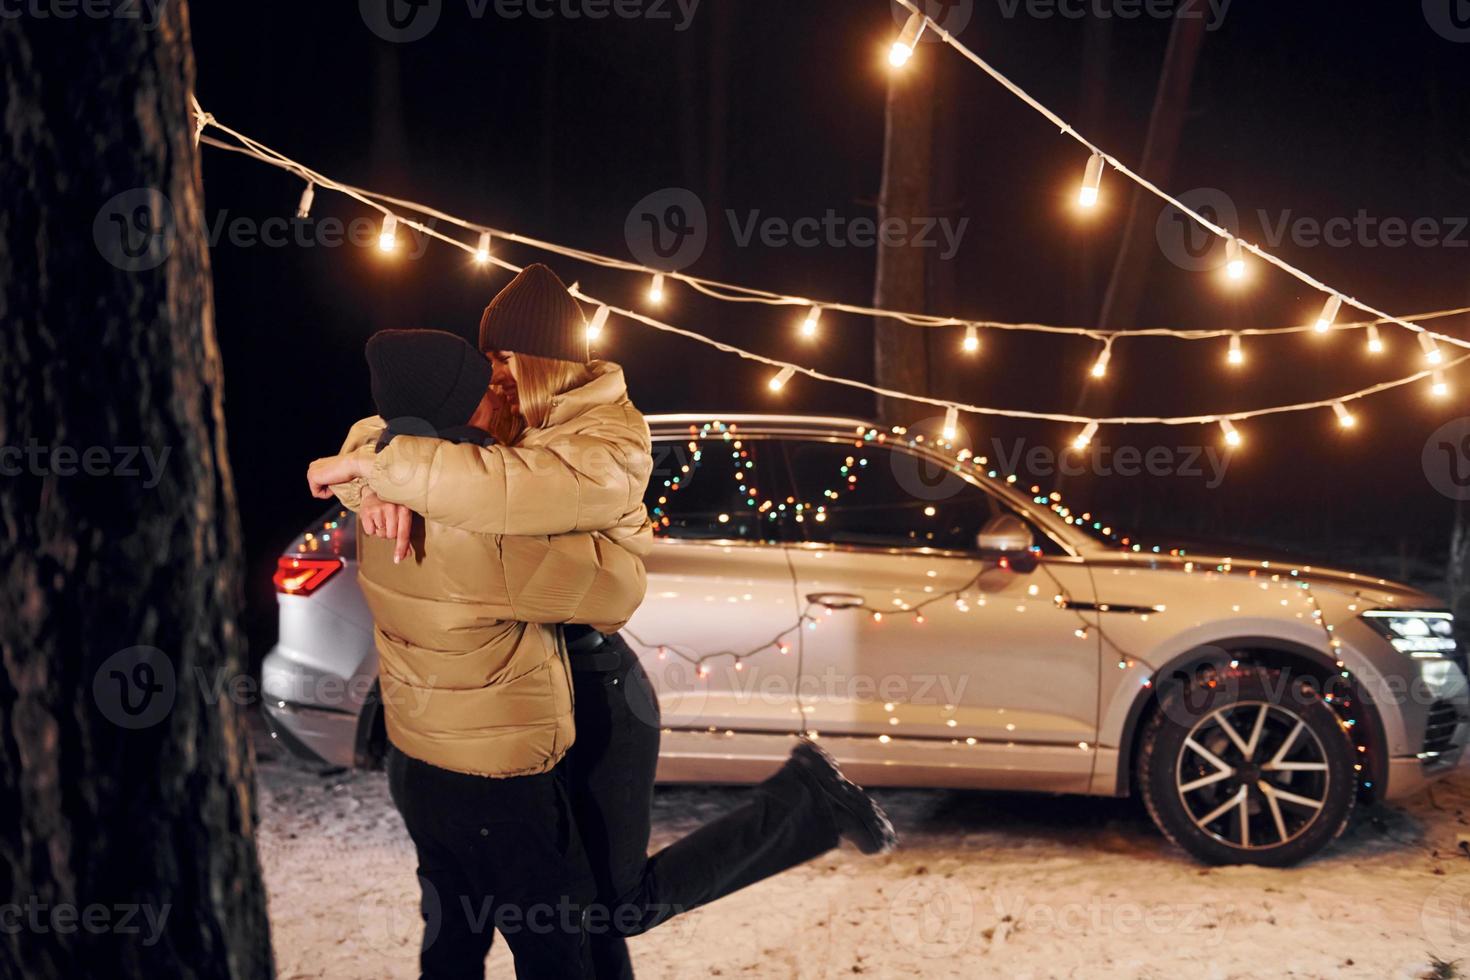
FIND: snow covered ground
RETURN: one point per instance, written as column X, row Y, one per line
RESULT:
column 984, row 885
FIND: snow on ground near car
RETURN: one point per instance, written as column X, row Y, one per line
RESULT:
column 983, row 885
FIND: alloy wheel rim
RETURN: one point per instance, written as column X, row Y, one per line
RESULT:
column 1253, row 775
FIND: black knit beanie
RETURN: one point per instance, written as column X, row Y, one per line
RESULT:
column 426, row 374
column 535, row 315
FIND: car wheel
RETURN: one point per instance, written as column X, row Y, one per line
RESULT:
column 1247, row 766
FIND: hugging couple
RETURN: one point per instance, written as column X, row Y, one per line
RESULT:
column 501, row 535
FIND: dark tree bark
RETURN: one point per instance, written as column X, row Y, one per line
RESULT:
column 127, row 816
column 1459, row 570
column 1165, row 126
column 900, row 358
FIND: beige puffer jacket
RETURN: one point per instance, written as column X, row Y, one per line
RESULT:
column 550, row 530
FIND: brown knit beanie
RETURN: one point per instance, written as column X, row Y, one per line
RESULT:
column 535, row 315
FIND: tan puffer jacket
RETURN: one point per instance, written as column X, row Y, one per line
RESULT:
column 550, row 530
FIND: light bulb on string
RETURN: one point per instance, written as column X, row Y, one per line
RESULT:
column 778, row 381
column 1234, row 259
column 1084, row 438
column 598, row 321
column 656, row 288
column 1345, row 418
column 1329, row 313
column 1375, row 340
column 482, row 251
column 1091, row 182
column 388, row 237
column 1232, row 434
column 971, row 343
column 809, row 325
column 908, row 38
column 1236, row 356
column 1100, row 366
column 951, row 423
column 303, row 208
column 1432, row 353
column 1439, row 387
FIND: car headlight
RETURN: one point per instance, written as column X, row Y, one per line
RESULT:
column 1426, row 635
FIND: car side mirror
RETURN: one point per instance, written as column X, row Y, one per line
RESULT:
column 1007, row 540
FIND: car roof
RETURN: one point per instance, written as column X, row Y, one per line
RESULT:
column 678, row 424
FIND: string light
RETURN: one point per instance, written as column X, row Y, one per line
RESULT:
column 482, row 251
column 971, row 343
column 1439, row 387
column 1234, row 259
column 388, row 238
column 264, row 154
column 1432, row 353
column 1236, row 356
column 598, row 321
column 951, row 423
column 1091, row 182
column 1084, row 438
column 1232, row 434
column 1345, row 418
column 1100, row 366
column 903, row 48
column 778, row 381
column 1375, row 342
column 809, row 325
column 303, row 209
column 1329, row 313
column 656, row 289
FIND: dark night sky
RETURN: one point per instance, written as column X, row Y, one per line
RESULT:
column 557, row 127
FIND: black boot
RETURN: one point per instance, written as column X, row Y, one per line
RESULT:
column 858, row 817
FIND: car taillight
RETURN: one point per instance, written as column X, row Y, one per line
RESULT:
column 303, row 576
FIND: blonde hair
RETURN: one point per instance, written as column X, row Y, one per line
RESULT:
column 539, row 380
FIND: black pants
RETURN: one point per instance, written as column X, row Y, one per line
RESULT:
column 609, row 773
column 495, row 855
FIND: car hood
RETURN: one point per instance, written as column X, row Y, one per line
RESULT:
column 1369, row 588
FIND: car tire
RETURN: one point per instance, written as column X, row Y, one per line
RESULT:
column 1274, row 789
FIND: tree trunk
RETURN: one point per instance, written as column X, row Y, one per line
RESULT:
column 899, row 356
column 1459, row 570
column 127, row 816
column 1165, row 126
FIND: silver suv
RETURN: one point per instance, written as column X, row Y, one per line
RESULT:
column 936, row 624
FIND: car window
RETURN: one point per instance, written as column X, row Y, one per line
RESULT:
column 715, row 483
column 866, row 494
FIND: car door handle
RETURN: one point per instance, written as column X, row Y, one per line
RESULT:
column 835, row 600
